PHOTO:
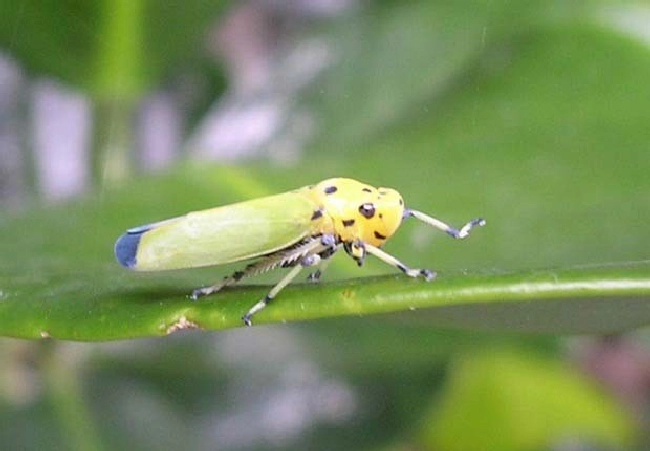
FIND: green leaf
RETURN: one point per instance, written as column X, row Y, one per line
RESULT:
column 102, row 305
column 61, row 280
column 507, row 401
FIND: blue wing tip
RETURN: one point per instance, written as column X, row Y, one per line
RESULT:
column 126, row 247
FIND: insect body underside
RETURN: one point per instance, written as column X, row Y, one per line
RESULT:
column 309, row 252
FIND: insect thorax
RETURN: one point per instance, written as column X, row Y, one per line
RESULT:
column 351, row 210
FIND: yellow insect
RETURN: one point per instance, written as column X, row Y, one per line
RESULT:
column 296, row 229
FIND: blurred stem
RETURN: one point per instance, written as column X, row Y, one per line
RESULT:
column 120, row 51
column 113, row 141
column 118, row 84
column 60, row 371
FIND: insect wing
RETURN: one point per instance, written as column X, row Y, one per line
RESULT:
column 219, row 235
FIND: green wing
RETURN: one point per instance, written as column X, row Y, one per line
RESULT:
column 219, row 235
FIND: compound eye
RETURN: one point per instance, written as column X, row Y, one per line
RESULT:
column 367, row 210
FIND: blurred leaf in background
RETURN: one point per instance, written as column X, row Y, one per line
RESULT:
column 508, row 400
column 533, row 115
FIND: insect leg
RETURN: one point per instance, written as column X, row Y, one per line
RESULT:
column 227, row 281
column 286, row 280
column 389, row 259
column 314, row 277
column 458, row 234
column 356, row 250
column 326, row 240
column 309, row 260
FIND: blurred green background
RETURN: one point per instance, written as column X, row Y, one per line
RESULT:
column 533, row 115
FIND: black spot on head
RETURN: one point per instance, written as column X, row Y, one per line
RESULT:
column 330, row 189
column 379, row 236
column 367, row 210
column 367, row 190
column 317, row 214
column 381, row 216
column 348, row 222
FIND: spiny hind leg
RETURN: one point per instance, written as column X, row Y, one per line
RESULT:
column 392, row 261
column 227, row 281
